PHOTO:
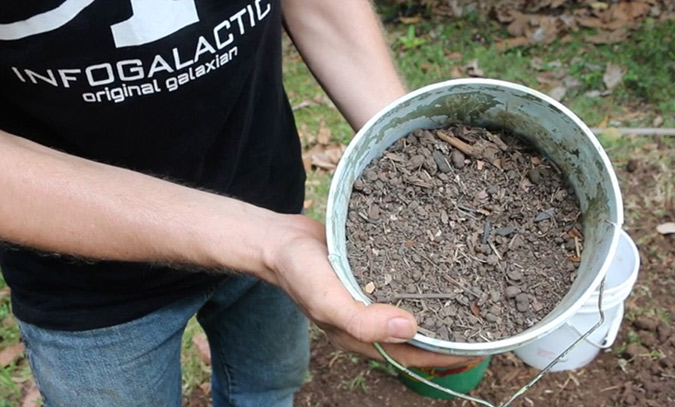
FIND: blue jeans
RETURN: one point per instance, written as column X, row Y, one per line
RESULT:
column 259, row 351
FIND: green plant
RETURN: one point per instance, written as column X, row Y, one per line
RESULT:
column 410, row 40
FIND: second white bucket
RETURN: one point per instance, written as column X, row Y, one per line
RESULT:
column 619, row 282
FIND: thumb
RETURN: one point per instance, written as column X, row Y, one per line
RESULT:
column 377, row 323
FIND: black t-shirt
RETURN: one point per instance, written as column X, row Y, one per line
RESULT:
column 187, row 90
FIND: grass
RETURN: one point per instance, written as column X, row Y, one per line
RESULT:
column 14, row 375
column 430, row 51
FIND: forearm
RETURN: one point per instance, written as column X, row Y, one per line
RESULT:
column 61, row 203
column 342, row 43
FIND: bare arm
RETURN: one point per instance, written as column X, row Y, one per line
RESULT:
column 342, row 43
column 62, row 203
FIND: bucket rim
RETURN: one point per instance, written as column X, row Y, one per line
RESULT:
column 529, row 335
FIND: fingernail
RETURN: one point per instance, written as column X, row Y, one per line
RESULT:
column 399, row 330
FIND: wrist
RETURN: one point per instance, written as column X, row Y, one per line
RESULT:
column 284, row 233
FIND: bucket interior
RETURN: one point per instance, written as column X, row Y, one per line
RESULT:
column 551, row 127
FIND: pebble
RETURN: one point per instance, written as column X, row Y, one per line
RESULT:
column 534, row 175
column 506, row 231
column 634, row 350
column 441, row 161
column 370, row 175
column 415, row 161
column 512, row 291
column 522, row 302
column 492, row 259
column 491, row 318
column 374, row 212
column 463, row 300
column 515, row 275
column 645, row 323
column 457, row 159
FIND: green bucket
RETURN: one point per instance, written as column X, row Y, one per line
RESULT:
column 461, row 380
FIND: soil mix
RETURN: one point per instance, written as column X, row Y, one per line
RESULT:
column 471, row 230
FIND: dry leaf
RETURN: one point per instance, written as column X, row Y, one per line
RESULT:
column 608, row 37
column 475, row 310
column 370, row 288
column 307, row 162
column 473, row 70
column 548, row 78
column 305, row 103
column 454, row 56
column 519, row 25
column 11, row 354
column 324, row 135
column 666, row 228
column 558, row 93
column 307, row 204
column 598, row 5
column 590, row 22
column 203, row 348
column 32, row 398
column 546, row 33
column 335, row 152
column 410, row 20
column 613, row 75
column 512, row 43
column 427, row 67
column 632, row 9
column 4, row 293
column 456, row 73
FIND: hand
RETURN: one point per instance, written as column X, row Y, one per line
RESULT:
column 300, row 262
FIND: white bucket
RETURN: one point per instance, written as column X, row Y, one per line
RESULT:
column 544, row 122
column 619, row 282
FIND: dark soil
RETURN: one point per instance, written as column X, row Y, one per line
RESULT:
column 478, row 239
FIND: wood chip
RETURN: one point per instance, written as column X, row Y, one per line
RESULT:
column 666, row 228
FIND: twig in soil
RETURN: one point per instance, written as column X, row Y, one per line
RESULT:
column 422, row 296
column 457, row 143
column 462, row 286
column 422, row 255
column 577, row 247
column 494, row 138
column 494, row 249
column 487, row 227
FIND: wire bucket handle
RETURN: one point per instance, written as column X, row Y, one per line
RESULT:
column 523, row 389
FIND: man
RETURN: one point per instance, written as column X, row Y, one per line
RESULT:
column 117, row 119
